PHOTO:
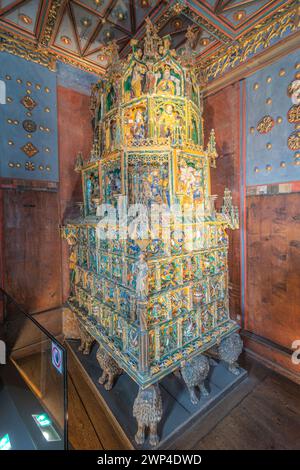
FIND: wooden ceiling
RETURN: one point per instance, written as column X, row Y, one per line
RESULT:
column 77, row 29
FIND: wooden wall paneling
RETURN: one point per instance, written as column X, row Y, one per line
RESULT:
column 273, row 273
column 32, row 267
column 82, row 434
column 222, row 113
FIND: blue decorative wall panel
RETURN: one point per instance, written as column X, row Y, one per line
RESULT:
column 28, row 121
column 268, row 157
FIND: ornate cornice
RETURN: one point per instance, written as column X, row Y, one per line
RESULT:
column 81, row 65
column 50, row 24
column 228, row 57
column 27, row 50
column 30, row 51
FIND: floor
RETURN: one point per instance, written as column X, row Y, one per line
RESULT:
column 263, row 413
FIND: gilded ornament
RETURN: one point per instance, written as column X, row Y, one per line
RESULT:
column 51, row 21
column 297, row 66
column 239, row 15
column 66, row 40
column 256, row 86
column 177, row 23
column 29, row 149
column 204, row 41
column 25, row 18
column 9, row 99
column 41, row 167
column 269, row 167
column 268, row 146
column 29, row 166
column 11, row 165
column 7, row 77
column 269, row 101
column 28, row 83
column 18, row 165
column 47, row 149
column 10, row 121
column 252, row 130
column 294, row 141
column 19, row 81
column 293, row 114
column 85, row 21
column 29, row 136
column 41, row 128
column 28, row 92
column 27, row 50
column 47, row 109
column 265, row 125
column 29, row 126
column 28, row 102
column 256, row 169
column 268, row 79
column 47, row 90
column 279, row 120
column 282, row 164
column 29, row 114
column 293, row 91
column 11, row 142
column 16, row 122
column 37, row 86
column 48, row 168
column 178, row 8
column 282, row 73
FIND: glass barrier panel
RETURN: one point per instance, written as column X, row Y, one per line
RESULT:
column 35, row 378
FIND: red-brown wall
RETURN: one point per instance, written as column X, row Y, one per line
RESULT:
column 74, row 134
column 221, row 112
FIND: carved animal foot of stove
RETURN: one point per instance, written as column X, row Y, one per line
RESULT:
column 86, row 340
column 110, row 369
column 147, row 409
column 194, row 373
column 229, row 351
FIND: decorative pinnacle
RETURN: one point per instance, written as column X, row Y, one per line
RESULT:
column 212, row 149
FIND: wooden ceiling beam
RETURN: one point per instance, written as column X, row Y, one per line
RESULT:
column 132, row 16
column 11, row 7
column 220, row 6
column 72, row 18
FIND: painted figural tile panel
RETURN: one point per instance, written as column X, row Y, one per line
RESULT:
column 28, row 122
column 268, row 157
